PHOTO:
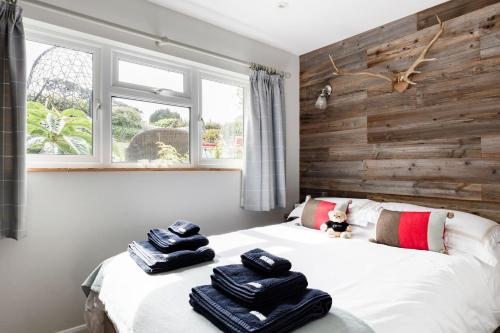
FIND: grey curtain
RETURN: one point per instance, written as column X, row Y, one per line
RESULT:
column 264, row 185
column 13, row 119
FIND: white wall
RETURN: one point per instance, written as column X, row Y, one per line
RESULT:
column 78, row 219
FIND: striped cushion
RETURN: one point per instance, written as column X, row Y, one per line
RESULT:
column 412, row 230
column 315, row 213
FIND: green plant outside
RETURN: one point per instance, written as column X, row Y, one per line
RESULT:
column 54, row 132
column 163, row 114
column 171, row 123
column 212, row 125
column 211, row 135
column 127, row 122
column 169, row 153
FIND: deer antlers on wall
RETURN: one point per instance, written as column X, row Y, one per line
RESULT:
column 402, row 80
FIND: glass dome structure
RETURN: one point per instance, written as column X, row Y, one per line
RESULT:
column 61, row 78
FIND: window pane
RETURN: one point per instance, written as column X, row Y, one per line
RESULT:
column 59, row 109
column 150, row 133
column 147, row 76
column 222, row 109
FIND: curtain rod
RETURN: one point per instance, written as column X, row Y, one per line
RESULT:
column 159, row 40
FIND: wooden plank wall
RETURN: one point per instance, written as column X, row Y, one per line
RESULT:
column 437, row 144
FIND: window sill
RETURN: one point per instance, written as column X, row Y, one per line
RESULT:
column 118, row 169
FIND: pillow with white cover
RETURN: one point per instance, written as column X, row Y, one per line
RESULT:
column 464, row 234
column 299, row 208
column 360, row 213
column 468, row 233
column 497, row 281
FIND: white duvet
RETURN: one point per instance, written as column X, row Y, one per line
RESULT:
column 391, row 289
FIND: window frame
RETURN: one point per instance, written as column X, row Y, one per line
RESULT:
column 136, row 92
column 153, row 63
column 228, row 80
column 156, row 101
column 35, row 160
column 106, row 55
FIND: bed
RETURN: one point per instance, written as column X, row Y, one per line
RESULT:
column 390, row 289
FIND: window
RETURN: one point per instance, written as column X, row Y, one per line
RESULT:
column 147, row 76
column 147, row 132
column 93, row 104
column 60, row 100
column 222, row 113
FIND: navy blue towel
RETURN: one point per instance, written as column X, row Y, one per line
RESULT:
column 230, row 316
column 253, row 289
column 166, row 241
column 265, row 263
column 153, row 261
column 184, row 228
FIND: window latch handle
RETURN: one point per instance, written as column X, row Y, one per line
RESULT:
column 98, row 107
column 160, row 91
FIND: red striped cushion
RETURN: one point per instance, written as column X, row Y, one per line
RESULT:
column 412, row 230
column 315, row 213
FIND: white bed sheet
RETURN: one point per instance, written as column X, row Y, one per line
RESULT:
column 391, row 289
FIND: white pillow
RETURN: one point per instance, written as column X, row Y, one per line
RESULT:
column 361, row 211
column 364, row 211
column 404, row 207
column 468, row 233
column 465, row 233
column 297, row 211
column 498, row 269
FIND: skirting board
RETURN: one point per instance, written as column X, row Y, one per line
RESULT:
column 76, row 329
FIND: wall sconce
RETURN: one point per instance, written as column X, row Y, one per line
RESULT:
column 321, row 102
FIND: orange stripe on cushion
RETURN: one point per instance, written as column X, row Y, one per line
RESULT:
column 413, row 230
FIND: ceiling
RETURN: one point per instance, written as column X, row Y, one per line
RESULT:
column 302, row 25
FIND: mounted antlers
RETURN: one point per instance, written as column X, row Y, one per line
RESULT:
column 338, row 72
column 400, row 81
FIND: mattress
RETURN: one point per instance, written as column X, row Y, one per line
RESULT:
column 391, row 289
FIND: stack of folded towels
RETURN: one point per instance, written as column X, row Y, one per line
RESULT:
column 260, row 296
column 165, row 250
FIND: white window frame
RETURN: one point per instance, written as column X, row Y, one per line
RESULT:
column 106, row 55
column 154, row 63
column 41, row 160
column 229, row 80
column 147, row 94
column 143, row 98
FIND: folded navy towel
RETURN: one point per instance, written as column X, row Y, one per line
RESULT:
column 265, row 263
column 230, row 316
column 184, row 228
column 152, row 261
column 253, row 289
column 166, row 241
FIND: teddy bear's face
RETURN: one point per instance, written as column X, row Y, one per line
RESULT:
column 337, row 216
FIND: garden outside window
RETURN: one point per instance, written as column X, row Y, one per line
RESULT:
column 92, row 104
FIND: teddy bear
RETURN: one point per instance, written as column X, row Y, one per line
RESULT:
column 337, row 226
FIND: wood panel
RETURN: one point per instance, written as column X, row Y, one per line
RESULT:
column 450, row 10
column 438, row 143
column 490, row 146
column 490, row 46
column 456, row 170
column 417, row 188
column 487, row 209
column 491, row 192
column 430, row 149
